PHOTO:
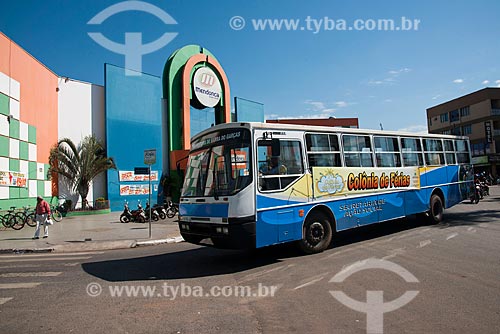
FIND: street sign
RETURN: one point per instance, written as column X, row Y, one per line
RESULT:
column 150, row 157
column 141, row 170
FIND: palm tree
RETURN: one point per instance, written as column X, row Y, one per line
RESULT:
column 79, row 164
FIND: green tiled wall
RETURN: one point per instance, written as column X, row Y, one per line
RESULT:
column 40, row 188
column 45, row 170
column 13, row 193
column 4, row 146
column 4, row 104
column 23, row 150
column 14, row 165
column 14, row 128
column 32, row 170
column 31, row 134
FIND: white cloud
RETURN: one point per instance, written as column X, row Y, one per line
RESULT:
column 308, row 116
column 391, row 79
column 401, row 70
column 319, row 107
column 375, row 82
column 457, row 81
column 271, row 116
column 341, row 104
column 388, row 100
column 436, row 97
column 485, row 82
column 498, row 83
column 420, row 129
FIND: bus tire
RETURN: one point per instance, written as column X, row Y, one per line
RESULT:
column 317, row 233
column 436, row 209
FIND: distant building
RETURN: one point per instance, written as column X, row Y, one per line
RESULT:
column 339, row 122
column 476, row 115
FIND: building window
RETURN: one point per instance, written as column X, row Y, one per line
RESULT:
column 430, row 121
column 466, row 130
column 444, row 117
column 446, row 132
column 465, row 111
column 454, row 116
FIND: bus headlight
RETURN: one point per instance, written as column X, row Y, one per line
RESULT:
column 225, row 230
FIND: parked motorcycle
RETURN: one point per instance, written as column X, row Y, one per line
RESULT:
column 172, row 209
column 154, row 215
column 160, row 210
column 133, row 216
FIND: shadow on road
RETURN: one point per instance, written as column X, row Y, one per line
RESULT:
column 207, row 261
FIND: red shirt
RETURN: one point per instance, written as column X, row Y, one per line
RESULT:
column 42, row 208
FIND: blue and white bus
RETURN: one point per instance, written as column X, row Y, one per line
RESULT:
column 256, row 184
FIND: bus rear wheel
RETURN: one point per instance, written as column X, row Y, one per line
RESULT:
column 436, row 210
column 317, row 234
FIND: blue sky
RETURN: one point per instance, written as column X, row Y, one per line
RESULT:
column 387, row 77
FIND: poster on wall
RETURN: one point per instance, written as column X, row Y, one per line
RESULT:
column 134, row 189
column 13, row 179
column 130, row 176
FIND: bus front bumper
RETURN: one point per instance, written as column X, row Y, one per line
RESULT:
column 238, row 233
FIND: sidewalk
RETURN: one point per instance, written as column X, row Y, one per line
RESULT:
column 92, row 232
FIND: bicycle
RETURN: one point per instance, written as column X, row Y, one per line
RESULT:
column 28, row 215
column 12, row 220
column 55, row 213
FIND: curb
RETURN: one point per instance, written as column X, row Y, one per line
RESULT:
column 173, row 240
column 94, row 246
column 26, row 250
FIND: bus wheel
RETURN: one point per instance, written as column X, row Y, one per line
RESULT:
column 317, row 234
column 436, row 211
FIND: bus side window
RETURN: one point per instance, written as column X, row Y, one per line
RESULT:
column 434, row 155
column 357, row 151
column 412, row 152
column 387, row 151
column 323, row 150
column 277, row 172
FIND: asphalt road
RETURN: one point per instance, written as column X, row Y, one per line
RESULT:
column 453, row 268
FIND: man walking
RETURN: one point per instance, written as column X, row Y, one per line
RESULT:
column 42, row 215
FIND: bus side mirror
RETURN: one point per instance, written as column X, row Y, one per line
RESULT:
column 275, row 147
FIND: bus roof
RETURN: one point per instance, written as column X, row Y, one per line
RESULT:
column 322, row 129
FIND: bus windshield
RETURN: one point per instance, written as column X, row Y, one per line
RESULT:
column 220, row 166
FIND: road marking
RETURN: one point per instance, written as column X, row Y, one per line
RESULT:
column 70, row 264
column 394, row 253
column 5, row 300
column 260, row 273
column 316, row 280
column 424, row 243
column 32, row 274
column 49, row 254
column 18, row 285
column 451, row 236
column 471, row 229
column 49, row 259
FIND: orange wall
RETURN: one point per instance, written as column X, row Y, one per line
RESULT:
column 38, row 100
